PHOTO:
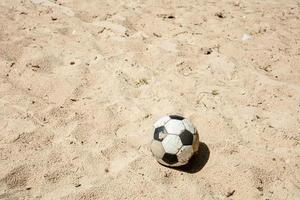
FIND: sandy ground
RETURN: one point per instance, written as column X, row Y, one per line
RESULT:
column 82, row 81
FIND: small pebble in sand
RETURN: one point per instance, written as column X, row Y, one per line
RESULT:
column 220, row 15
column 167, row 174
column 214, row 92
column 259, row 188
column 246, row 37
column 207, row 51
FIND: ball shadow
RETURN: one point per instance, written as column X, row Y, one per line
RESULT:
column 198, row 161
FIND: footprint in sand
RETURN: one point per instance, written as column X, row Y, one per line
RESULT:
column 122, row 161
column 17, row 177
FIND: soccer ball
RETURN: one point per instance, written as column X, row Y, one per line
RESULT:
column 175, row 140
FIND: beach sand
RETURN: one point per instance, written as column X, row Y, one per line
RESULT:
column 82, row 82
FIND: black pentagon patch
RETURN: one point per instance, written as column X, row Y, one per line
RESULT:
column 160, row 133
column 186, row 137
column 170, row 158
column 176, row 117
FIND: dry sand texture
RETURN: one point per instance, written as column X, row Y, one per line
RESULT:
column 82, row 81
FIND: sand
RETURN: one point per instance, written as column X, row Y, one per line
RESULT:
column 82, row 82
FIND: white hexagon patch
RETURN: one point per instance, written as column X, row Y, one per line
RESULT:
column 161, row 121
column 189, row 126
column 157, row 149
column 174, row 126
column 185, row 153
column 172, row 144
